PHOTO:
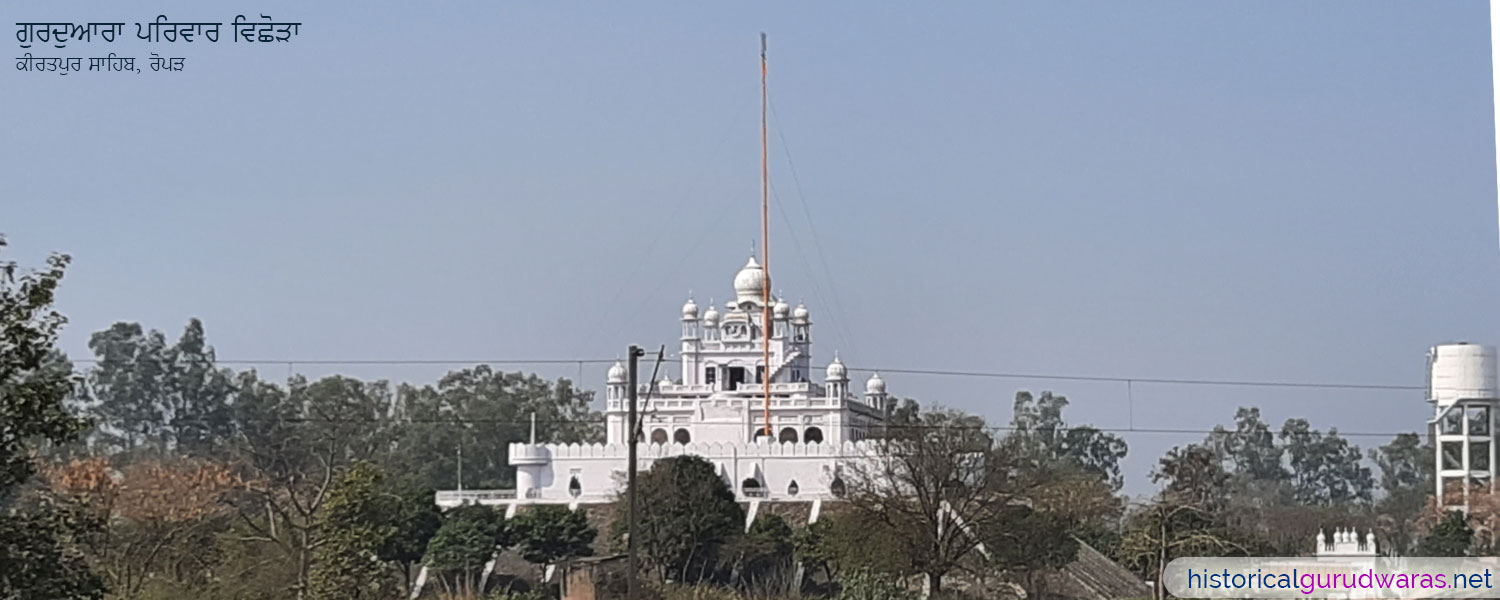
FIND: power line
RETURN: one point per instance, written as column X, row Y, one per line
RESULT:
column 395, row 361
column 893, row 427
column 1162, row 380
column 838, row 331
column 837, row 306
column 908, row 371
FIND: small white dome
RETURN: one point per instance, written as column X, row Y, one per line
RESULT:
column 799, row 314
column 836, row 370
column 690, row 310
column 616, row 373
column 750, row 283
column 875, row 386
column 781, row 309
column 711, row 316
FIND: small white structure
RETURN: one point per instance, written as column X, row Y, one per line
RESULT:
column 1345, row 543
column 716, row 409
column 1462, row 387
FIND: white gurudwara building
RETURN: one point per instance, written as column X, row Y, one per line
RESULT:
column 715, row 409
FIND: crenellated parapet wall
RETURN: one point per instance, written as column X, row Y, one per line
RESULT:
column 522, row 453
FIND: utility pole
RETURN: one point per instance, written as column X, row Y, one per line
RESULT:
column 632, row 586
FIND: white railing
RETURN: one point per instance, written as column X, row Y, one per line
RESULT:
column 453, row 498
column 474, row 496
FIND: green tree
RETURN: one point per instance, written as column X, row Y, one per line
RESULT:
column 1250, row 449
column 1027, row 544
column 1194, row 475
column 1326, row 469
column 35, row 379
column 470, row 536
column 766, row 547
column 547, row 534
column 168, row 398
column 1406, row 477
column 42, row 556
column 356, row 520
column 415, row 519
column 686, row 514
column 1167, row 530
column 843, row 542
column 294, row 443
column 1038, row 428
column 1450, row 538
column 480, row 412
column 37, row 545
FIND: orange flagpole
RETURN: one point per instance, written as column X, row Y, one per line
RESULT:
column 765, row 247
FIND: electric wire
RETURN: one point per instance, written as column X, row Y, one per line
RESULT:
column 897, row 370
column 1125, row 431
column 838, row 305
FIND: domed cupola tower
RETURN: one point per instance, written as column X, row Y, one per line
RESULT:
column 838, row 378
column 875, row 395
column 615, row 382
column 780, row 312
column 801, row 325
column 689, row 321
column 711, row 322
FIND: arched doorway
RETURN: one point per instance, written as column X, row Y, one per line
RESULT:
column 659, row 436
column 813, row 435
column 751, row 487
column 682, row 436
column 788, row 434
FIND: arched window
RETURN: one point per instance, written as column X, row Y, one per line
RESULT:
column 659, row 436
column 837, row 487
column 788, row 434
column 791, row 488
column 574, row 488
column 682, row 436
column 813, row 435
column 750, row 486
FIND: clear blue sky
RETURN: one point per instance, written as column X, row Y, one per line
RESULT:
column 1286, row 191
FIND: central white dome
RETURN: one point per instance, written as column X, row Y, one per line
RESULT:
column 750, row 283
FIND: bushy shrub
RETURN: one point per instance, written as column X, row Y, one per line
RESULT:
column 517, row 595
column 863, row 584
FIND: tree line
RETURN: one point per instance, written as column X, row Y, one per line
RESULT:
column 160, row 473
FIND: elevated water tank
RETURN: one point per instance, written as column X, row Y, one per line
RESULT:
column 1461, row 372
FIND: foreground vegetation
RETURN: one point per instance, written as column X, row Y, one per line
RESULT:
column 160, row 474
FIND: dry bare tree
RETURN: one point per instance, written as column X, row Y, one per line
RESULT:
column 936, row 483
